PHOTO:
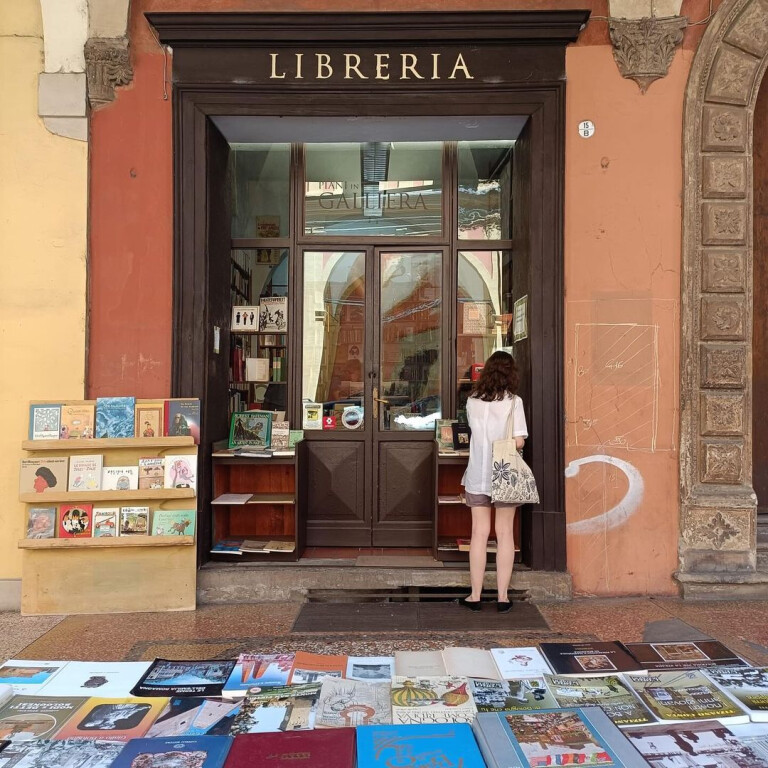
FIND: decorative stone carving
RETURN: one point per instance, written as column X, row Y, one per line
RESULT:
column 723, row 367
column 750, row 32
column 723, row 271
column 644, row 48
column 733, row 76
column 718, row 529
column 724, row 223
column 107, row 65
column 722, row 414
column 722, row 318
column 724, row 129
column 724, row 177
column 721, row 462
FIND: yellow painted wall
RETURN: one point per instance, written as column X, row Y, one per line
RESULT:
column 43, row 229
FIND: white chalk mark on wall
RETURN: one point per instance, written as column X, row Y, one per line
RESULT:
column 622, row 511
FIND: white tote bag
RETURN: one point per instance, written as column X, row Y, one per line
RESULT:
column 512, row 481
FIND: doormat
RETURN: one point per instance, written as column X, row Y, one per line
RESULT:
column 397, row 561
column 329, row 618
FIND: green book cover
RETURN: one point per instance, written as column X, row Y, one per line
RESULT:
column 173, row 522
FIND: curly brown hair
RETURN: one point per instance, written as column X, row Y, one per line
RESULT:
column 498, row 378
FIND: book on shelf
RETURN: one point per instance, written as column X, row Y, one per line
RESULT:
column 115, row 416
column 250, row 428
column 173, row 522
column 514, row 663
column 113, row 719
column 75, row 521
column 511, row 695
column 227, row 547
column 274, row 545
column 151, row 473
column 258, row 670
column 41, row 522
column 252, row 545
column 26, row 676
column 544, row 737
column 312, row 416
column 280, row 708
column 150, row 419
column 295, row 436
column 193, row 716
column 232, row 498
column 418, row 700
column 42, row 475
column 245, row 318
column 181, row 471
column 168, row 677
column 257, row 369
column 253, row 453
column 700, row 654
column 365, row 703
column 747, row 686
column 280, row 434
column 313, row 749
column 105, row 679
column 106, row 521
column 77, row 422
column 444, row 434
column 461, row 434
column 196, row 751
column 44, row 421
column 590, row 659
column 125, row 478
column 37, row 717
column 182, row 418
column 134, row 521
column 463, row 545
column 85, row 473
column 310, row 667
column 273, row 314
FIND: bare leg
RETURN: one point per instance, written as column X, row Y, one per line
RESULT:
column 481, row 529
column 505, row 556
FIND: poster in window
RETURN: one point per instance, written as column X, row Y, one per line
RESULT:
column 520, row 325
column 476, row 316
column 273, row 314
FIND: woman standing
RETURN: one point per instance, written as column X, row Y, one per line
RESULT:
column 492, row 402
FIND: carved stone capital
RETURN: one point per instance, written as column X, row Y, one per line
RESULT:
column 107, row 65
column 644, row 48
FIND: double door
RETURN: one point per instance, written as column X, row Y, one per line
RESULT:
column 373, row 365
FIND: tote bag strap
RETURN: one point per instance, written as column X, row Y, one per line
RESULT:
column 511, row 420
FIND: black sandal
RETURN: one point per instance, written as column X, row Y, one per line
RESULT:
column 503, row 607
column 473, row 605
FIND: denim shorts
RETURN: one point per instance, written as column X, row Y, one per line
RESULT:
column 482, row 500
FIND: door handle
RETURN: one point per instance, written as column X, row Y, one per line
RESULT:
column 376, row 401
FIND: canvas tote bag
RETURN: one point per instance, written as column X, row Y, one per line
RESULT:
column 512, row 481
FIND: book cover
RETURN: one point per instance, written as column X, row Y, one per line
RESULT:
column 227, row 547
column 280, row 435
column 461, row 434
column 258, row 670
column 310, row 667
column 312, row 416
column 36, row 717
column 514, row 663
column 701, row 654
column 371, row 668
column 41, row 475
column 286, row 708
column 747, row 686
column 420, row 700
column 173, row 522
column 550, row 737
column 349, row 703
column 181, row 471
column 77, row 422
column 27, row 676
column 419, row 663
column 105, row 679
column 75, row 521
column 463, row 662
column 118, row 719
column 191, row 716
column 181, row 752
column 418, row 745
column 68, row 753
column 257, row 369
column 589, row 659
column 182, row 418
column 106, row 521
column 85, row 472
column 444, row 434
column 120, row 479
column 150, row 419
column 245, row 318
column 273, row 314
column 151, row 473
column 250, row 428
column 44, row 422
column 115, row 416
column 511, row 695
column 41, row 522
column 313, row 749
column 618, row 701
column 682, row 696
column 295, row 436
column 274, row 545
column 134, row 521
column 184, row 678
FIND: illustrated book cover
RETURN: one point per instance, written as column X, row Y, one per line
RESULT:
column 75, row 521
column 181, row 471
column 27, row 676
column 44, row 422
column 589, row 659
column 134, row 521
column 118, row 719
column 747, row 686
column 77, row 422
column 115, row 416
column 105, row 679
column 419, row 700
column 182, row 752
column 449, row 744
column 120, row 478
column 617, row 700
column 374, row 669
column 44, row 753
column 250, row 428
column 106, row 521
column 295, row 436
column 317, row 749
column 150, row 419
column 701, row 654
column 173, row 522
column 258, row 670
column 461, row 434
column 311, row 667
column 444, row 435
column 191, row 716
column 36, row 717
column 682, row 696
column 151, row 472
column 514, row 663
column 182, row 418
column 286, row 708
column 85, row 472
column 41, row 475
column 347, row 703
column 273, row 314
column 245, row 318
column 184, row 678
column 41, row 522
column 312, row 416
column 511, row 695
column 553, row 737
column 257, row 369
column 280, row 435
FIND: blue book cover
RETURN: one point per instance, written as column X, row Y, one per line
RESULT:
column 197, row 751
column 388, row 745
column 115, row 416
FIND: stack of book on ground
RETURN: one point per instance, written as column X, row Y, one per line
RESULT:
column 600, row 703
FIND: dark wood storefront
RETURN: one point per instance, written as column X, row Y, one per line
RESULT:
column 442, row 65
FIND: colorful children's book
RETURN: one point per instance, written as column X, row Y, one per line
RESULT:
column 44, row 753
column 105, row 679
column 420, row 700
column 120, row 478
column 36, row 717
column 514, row 663
column 191, row 716
column 184, row 678
column 349, row 703
column 173, row 522
column 26, row 676
column 589, row 659
column 251, row 428
column 511, row 695
column 41, row 522
column 227, row 547
column 315, row 749
column 311, row 667
column 150, row 419
column 134, row 521
column 44, row 422
column 181, row 471
column 119, row 719
column 701, row 654
column 286, row 708
column 75, row 521
column 41, row 475
column 193, row 751
column 258, row 670
column 182, row 418
column 151, row 473
column 115, row 416
column 106, row 521
column 85, row 472
column 747, row 686
column 77, row 422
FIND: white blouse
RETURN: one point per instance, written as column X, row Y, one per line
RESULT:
column 488, row 422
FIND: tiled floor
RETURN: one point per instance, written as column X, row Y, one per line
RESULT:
column 224, row 631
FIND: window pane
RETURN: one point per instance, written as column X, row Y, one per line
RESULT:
column 485, row 190
column 380, row 188
column 261, row 178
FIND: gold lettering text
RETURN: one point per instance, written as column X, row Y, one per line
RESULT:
column 409, row 61
column 382, row 66
column 299, row 57
column 460, row 65
column 435, row 59
column 324, row 68
column 274, row 75
column 352, row 61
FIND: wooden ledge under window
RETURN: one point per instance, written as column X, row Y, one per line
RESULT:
column 83, row 497
column 80, row 444
column 108, row 541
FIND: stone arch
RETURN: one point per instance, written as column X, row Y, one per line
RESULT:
column 717, row 547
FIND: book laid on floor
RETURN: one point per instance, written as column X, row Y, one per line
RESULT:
column 550, row 737
column 194, row 751
column 754, row 736
column 679, row 697
column 348, row 703
column 191, row 716
column 311, row 667
column 617, row 700
column 309, row 749
column 37, row 717
column 44, row 753
column 27, row 676
column 589, row 659
column 461, row 662
column 112, row 719
column 370, row 668
column 115, row 416
column 511, row 695
column 262, row 670
column 443, row 699
column 449, row 744
column 105, row 679
column 166, row 677
column 747, row 686
column 286, row 708
column 514, row 663
column 701, row 654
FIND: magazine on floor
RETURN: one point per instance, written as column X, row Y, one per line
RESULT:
column 258, row 670
column 432, row 699
column 44, row 753
column 347, row 703
column 516, row 663
column 191, row 752
column 701, row 654
column 312, row 667
column 747, row 686
column 511, row 695
column 373, row 669
column 37, row 717
column 591, row 659
column 289, row 708
column 112, row 719
column 26, row 676
column 105, row 679
column 184, row 678
column 192, row 716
